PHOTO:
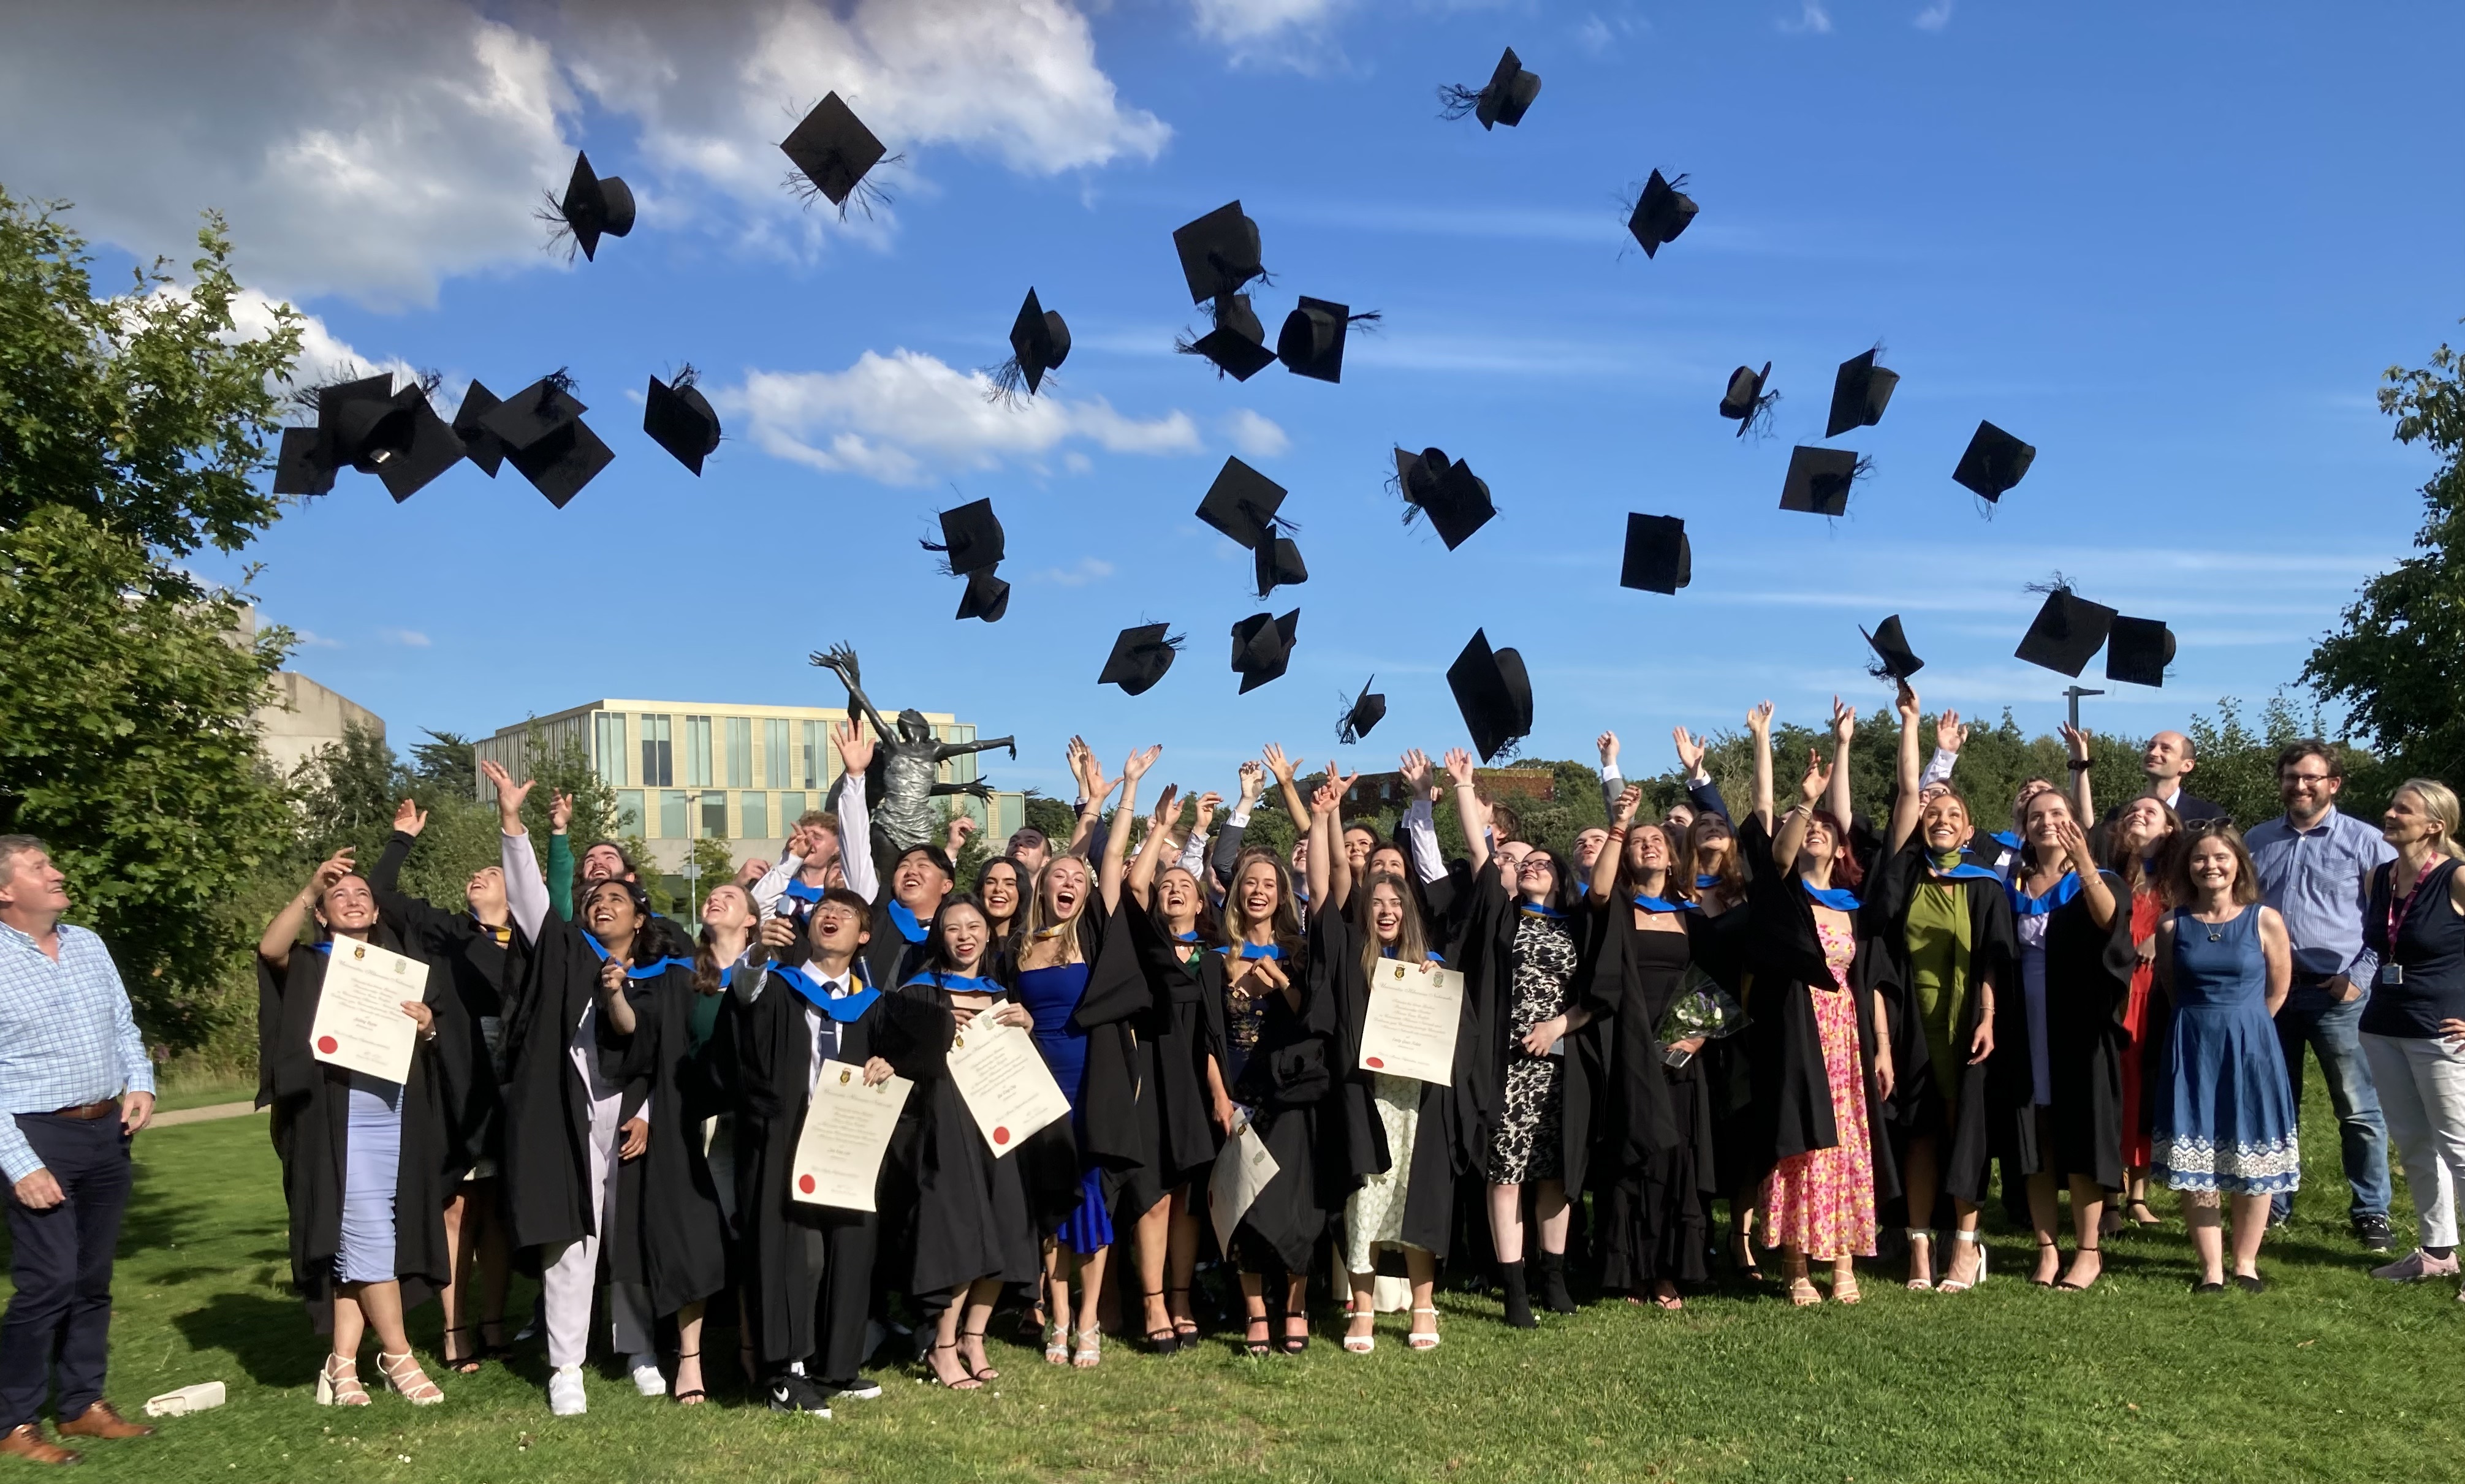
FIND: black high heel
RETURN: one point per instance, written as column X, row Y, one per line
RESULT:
column 966, row 1383
column 1259, row 1348
column 981, row 1373
column 468, row 1363
column 698, row 1395
column 1295, row 1344
column 1164, row 1341
column 1183, row 1330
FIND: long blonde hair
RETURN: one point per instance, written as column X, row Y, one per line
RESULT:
column 2439, row 802
column 1411, row 939
column 1286, row 923
column 1036, row 916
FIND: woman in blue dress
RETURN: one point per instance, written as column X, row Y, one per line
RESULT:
column 2225, row 1122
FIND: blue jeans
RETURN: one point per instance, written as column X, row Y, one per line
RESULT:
column 2312, row 1017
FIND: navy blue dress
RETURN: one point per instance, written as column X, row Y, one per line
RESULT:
column 1051, row 996
column 2226, row 1121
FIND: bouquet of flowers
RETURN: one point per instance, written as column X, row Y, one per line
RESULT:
column 1702, row 1008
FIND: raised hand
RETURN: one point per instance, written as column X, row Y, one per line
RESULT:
column 509, row 795
column 1343, row 781
column 1326, row 798
column 1905, row 700
column 1135, row 766
column 2075, row 845
column 1278, row 764
column 408, row 818
column 1629, row 798
column 1818, row 777
column 559, row 813
column 1690, row 749
column 329, row 871
column 1844, row 723
column 611, row 976
column 954, row 840
column 777, row 933
column 1758, row 720
column 1608, row 743
column 1207, row 804
column 2076, row 741
column 1254, row 781
column 1167, row 808
column 1417, row 773
column 1948, row 734
column 1460, row 768
column 1075, row 753
column 855, row 746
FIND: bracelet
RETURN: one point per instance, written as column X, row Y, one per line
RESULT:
column 2078, row 764
column 1618, row 832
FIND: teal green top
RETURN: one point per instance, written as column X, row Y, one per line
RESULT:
column 560, row 876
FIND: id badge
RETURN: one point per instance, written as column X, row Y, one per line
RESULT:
column 2392, row 974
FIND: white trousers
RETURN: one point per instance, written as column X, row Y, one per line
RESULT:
column 2421, row 1083
column 567, row 1280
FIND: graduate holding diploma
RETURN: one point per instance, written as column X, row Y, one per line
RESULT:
column 364, row 1155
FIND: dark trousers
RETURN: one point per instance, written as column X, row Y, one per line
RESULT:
column 61, row 1264
column 844, row 1303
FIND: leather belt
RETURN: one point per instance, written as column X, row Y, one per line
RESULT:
column 101, row 1108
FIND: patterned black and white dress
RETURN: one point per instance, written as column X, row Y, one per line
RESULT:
column 1529, row 1142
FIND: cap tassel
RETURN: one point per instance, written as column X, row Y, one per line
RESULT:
column 561, row 240
column 862, row 196
column 1006, row 383
column 1457, row 101
column 1757, row 421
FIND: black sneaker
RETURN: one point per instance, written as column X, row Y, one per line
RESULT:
column 791, row 1392
column 2374, row 1232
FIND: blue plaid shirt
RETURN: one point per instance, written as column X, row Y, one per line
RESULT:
column 66, row 1035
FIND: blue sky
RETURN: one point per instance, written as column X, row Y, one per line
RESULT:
column 2174, row 247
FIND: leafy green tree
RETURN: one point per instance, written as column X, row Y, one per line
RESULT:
column 445, row 763
column 1053, row 817
column 2398, row 660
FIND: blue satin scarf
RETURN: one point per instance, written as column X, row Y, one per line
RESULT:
column 1650, row 904
column 1839, row 898
column 845, row 1008
column 803, row 893
column 2025, row 906
column 1256, row 951
column 957, row 983
column 651, row 970
column 905, row 921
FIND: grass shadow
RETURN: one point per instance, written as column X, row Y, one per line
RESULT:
column 269, row 1337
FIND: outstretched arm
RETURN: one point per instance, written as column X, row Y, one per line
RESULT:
column 1604, row 865
column 526, row 890
column 1152, row 850
column 1792, row 827
column 1758, row 720
column 962, row 749
column 856, row 747
column 1905, row 804
column 840, row 661
column 1419, row 825
column 1117, row 840
column 1469, row 809
column 284, row 932
column 1321, row 848
column 1284, row 769
column 1844, row 726
column 2076, row 743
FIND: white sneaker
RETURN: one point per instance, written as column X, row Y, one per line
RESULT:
column 859, row 1390
column 647, row 1378
column 565, row 1397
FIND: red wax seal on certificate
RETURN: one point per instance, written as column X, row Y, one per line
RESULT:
column 805, row 1182
column 1001, row 1134
column 1375, row 1064
column 329, row 1045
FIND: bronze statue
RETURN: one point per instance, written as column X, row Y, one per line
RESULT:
column 907, row 764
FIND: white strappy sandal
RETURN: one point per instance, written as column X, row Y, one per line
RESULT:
column 1954, row 1285
column 1423, row 1339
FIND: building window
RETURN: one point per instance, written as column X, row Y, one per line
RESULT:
column 672, row 815
column 697, row 752
column 739, row 752
column 629, row 811
column 960, row 769
column 609, row 753
column 815, row 760
column 659, row 755
column 791, row 807
column 714, row 814
column 754, row 811
column 777, row 763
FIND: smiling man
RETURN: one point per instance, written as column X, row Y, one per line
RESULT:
column 76, row 1086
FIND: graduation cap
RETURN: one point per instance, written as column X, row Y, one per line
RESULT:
column 679, row 420
column 1278, row 564
column 1819, row 480
column 1746, row 402
column 298, row 470
column 546, row 438
column 1360, row 714
column 1859, row 392
column 1311, row 343
column 1658, row 557
column 1893, row 659
column 1493, row 693
column 1219, row 253
column 1140, row 659
column 1242, row 502
column 2066, row 633
column 534, row 412
column 595, row 205
column 1237, row 344
column 2138, row 650
column 1660, row 214
column 1039, row 342
column 360, row 424
column 988, row 597
column 479, row 445
column 971, row 538
column 831, row 150
column 1994, row 462
column 434, row 447
column 1455, row 499
column 1510, row 92
column 1262, row 645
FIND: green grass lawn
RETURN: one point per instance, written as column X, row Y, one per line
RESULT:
column 2329, row 1376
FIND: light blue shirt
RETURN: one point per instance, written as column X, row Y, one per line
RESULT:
column 2319, row 880
column 66, row 1035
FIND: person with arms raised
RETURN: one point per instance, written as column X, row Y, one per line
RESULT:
column 78, row 1088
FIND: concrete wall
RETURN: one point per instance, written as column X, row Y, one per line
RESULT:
column 304, row 716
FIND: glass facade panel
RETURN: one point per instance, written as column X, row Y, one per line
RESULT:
column 753, row 814
column 672, row 815
column 714, row 814
column 777, row 762
column 658, row 754
column 607, row 753
column 817, row 747
column 697, row 752
column 739, row 752
column 629, row 811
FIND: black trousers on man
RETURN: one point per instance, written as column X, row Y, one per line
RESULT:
column 61, row 1265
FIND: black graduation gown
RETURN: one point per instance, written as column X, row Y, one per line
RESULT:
column 1283, row 1080
column 888, row 956
column 1177, row 1137
column 972, row 1217
column 548, row 1195
column 2088, row 987
column 483, row 972
column 1991, row 1093
column 1657, row 1164
column 809, row 1269
column 310, row 1122
column 1485, row 954
column 1353, row 1137
column 1793, row 1092
column 669, row 1234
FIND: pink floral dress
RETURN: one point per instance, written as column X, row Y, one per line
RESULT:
column 1822, row 1201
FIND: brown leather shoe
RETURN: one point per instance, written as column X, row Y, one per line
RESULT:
column 26, row 1441
column 99, row 1421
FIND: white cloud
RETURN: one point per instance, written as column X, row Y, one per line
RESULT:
column 1935, row 16
column 375, row 149
column 1596, row 33
column 1087, row 570
column 1277, row 32
column 1255, row 436
column 903, row 417
column 324, row 355
column 1812, row 19
column 408, row 638
column 309, row 639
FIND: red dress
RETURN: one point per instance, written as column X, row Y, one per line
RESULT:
column 2147, row 910
column 1822, row 1201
